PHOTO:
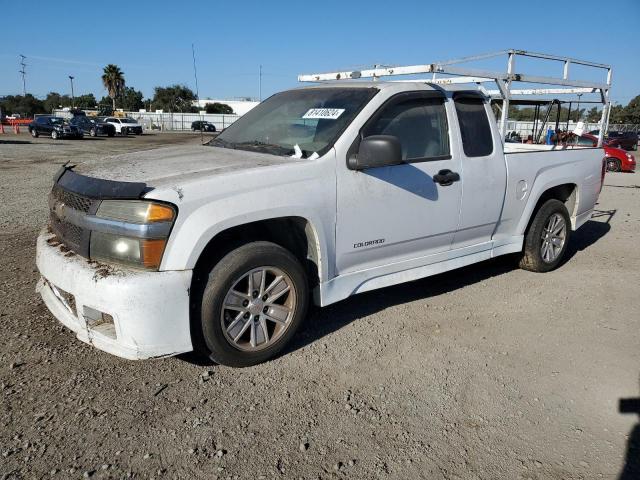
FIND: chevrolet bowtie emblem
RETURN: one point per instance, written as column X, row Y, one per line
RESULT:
column 59, row 209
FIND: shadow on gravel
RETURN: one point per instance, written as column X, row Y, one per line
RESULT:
column 631, row 468
column 324, row 321
column 589, row 233
column 15, row 142
column 622, row 186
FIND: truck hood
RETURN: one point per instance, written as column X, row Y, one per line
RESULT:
column 170, row 166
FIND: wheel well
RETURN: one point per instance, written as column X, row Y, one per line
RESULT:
column 567, row 193
column 296, row 234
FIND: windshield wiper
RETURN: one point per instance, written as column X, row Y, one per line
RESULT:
column 262, row 146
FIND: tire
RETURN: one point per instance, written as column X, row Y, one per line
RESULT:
column 34, row 133
column 613, row 165
column 54, row 135
column 112, row 134
column 541, row 252
column 258, row 336
column 93, row 132
column 124, row 131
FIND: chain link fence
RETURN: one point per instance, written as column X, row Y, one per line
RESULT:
column 170, row 121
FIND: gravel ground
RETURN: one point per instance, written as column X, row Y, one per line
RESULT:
column 481, row 373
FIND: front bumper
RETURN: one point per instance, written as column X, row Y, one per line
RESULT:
column 147, row 312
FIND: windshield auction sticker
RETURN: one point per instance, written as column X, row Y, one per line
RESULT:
column 323, row 113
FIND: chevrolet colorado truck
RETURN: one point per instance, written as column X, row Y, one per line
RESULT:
column 317, row 194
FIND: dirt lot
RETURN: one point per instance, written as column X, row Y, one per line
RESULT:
column 482, row 373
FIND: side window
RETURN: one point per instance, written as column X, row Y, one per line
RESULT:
column 420, row 124
column 587, row 142
column 474, row 127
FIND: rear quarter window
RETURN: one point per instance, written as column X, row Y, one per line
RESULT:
column 475, row 130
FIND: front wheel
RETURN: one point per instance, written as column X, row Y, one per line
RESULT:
column 547, row 238
column 93, row 132
column 34, row 133
column 254, row 300
column 613, row 165
column 54, row 135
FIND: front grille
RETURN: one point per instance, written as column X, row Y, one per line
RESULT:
column 72, row 200
column 67, row 232
column 71, row 236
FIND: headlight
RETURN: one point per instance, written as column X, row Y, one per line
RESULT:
column 143, row 250
column 137, row 252
column 629, row 156
column 135, row 211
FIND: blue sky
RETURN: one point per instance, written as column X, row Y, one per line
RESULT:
column 151, row 41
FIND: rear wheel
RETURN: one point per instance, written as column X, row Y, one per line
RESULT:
column 613, row 165
column 254, row 300
column 547, row 237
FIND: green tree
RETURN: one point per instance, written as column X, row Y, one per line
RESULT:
column 617, row 114
column 131, row 99
column 593, row 115
column 25, row 106
column 54, row 100
column 175, row 98
column 218, row 108
column 86, row 101
column 113, row 81
column 631, row 113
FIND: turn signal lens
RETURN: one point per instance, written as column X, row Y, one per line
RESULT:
column 159, row 213
column 152, row 251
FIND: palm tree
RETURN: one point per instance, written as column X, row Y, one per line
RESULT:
column 113, row 81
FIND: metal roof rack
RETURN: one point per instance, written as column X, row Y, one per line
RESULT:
column 504, row 80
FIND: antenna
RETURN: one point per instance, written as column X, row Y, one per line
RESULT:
column 195, row 74
column 260, row 85
column 24, row 73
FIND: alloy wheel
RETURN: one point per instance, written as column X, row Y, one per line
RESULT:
column 258, row 308
column 553, row 238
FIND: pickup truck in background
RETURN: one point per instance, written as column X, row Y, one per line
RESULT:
column 316, row 194
column 619, row 139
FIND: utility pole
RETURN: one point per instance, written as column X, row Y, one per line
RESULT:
column 23, row 72
column 260, row 84
column 579, row 95
column 73, row 100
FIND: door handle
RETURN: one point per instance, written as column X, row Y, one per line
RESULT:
column 446, row 177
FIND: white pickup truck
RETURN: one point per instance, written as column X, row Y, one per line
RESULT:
column 317, row 194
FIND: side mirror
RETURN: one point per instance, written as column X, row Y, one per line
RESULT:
column 376, row 151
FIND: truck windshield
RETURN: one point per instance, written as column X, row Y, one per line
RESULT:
column 296, row 122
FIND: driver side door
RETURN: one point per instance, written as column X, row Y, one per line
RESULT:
column 395, row 213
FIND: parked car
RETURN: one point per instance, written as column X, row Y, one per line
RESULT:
column 56, row 127
column 125, row 126
column 617, row 159
column 626, row 140
column 93, row 126
column 616, row 138
column 317, row 194
column 203, row 125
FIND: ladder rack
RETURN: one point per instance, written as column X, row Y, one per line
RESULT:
column 503, row 80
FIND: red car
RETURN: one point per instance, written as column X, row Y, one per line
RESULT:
column 618, row 160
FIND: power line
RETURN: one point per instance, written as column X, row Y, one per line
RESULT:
column 24, row 73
